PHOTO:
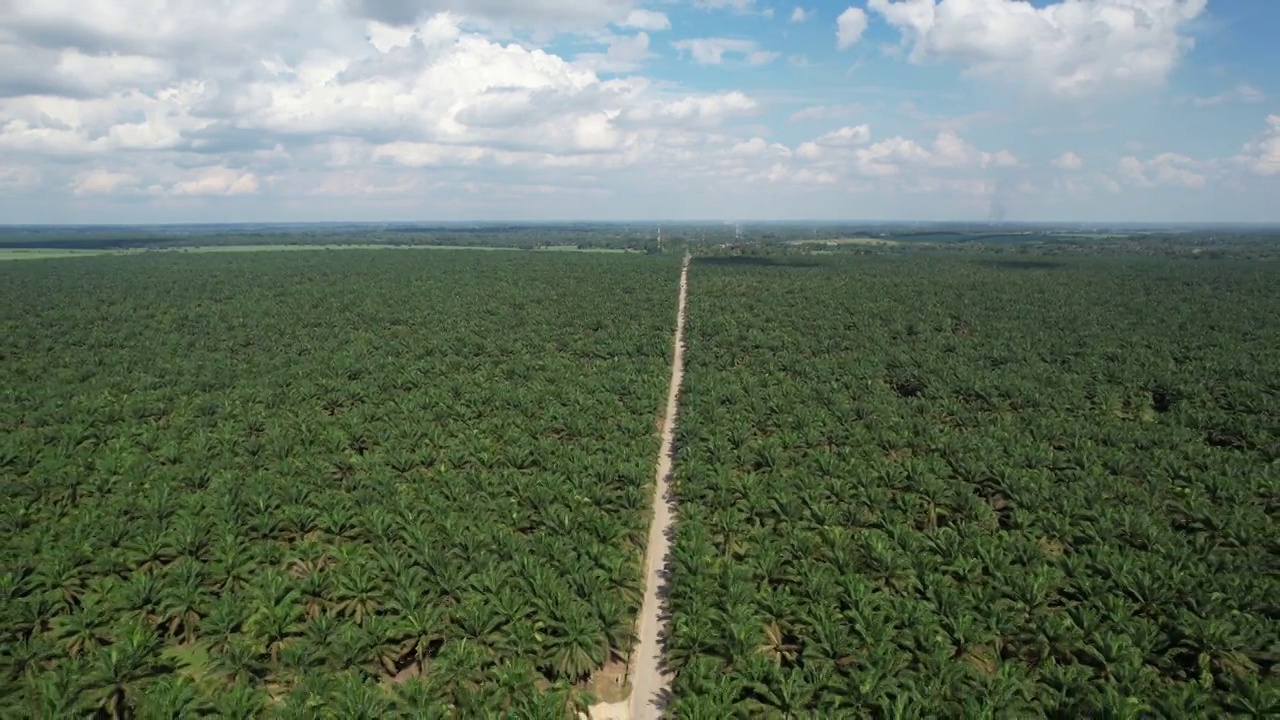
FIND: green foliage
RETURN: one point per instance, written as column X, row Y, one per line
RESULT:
column 959, row 487
column 278, row 483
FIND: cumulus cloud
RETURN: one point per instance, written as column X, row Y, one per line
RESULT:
column 850, row 26
column 849, row 150
column 824, row 112
column 1167, row 169
column 781, row 173
column 624, row 54
column 101, row 182
column 737, row 5
column 441, row 106
column 19, row 178
column 800, row 15
column 1243, row 93
column 759, row 146
column 70, row 72
column 1071, row 47
column 700, row 110
column 361, row 104
column 712, row 51
column 650, row 20
column 844, row 137
column 1068, row 161
column 1262, row 155
column 216, row 181
column 948, row 151
column 540, row 14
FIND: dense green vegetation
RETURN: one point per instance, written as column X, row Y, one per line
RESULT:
column 359, row 482
column 927, row 478
column 978, row 486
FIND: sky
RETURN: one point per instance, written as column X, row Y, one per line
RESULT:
column 145, row 111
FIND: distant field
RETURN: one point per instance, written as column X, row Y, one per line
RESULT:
column 282, row 248
column 44, row 254
column 575, row 248
column 47, row 253
column 848, row 241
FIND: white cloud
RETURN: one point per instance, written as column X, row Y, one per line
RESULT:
column 948, row 151
column 624, row 54
column 1242, row 93
column 800, row 15
column 846, row 136
column 738, row 5
column 650, row 20
column 836, row 140
column 712, row 51
column 527, row 109
column 701, row 110
column 1071, row 47
column 216, row 181
column 825, row 112
column 534, row 14
column 19, row 178
column 1068, row 161
column 1262, row 155
column 1165, row 169
column 885, row 157
column 759, row 146
column 1001, row 158
column 291, row 109
column 850, row 26
column 1133, row 172
column 780, row 173
column 102, row 182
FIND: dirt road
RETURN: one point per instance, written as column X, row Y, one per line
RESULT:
column 649, row 684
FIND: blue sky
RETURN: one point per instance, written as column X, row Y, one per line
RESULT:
column 230, row 110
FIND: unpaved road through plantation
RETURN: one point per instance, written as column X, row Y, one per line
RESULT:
column 650, row 686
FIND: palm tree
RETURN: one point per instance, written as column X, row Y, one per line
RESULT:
column 240, row 662
column 576, row 645
column 420, row 627
column 476, row 621
column 241, row 702
column 118, row 670
column 84, row 631
column 415, row 698
column 173, row 698
column 57, row 693
column 785, row 693
column 232, row 563
column 274, row 624
column 149, row 548
column 226, row 618
column 183, row 602
column 359, row 699
column 359, row 592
